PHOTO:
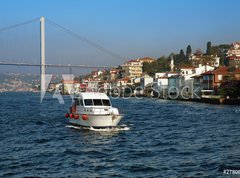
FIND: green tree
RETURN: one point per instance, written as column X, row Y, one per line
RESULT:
column 209, row 45
column 160, row 65
column 214, row 50
column 182, row 55
column 230, row 88
column 188, row 51
column 208, row 60
column 120, row 72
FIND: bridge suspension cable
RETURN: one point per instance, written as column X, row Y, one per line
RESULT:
column 68, row 31
column 54, row 65
column 79, row 37
column 19, row 24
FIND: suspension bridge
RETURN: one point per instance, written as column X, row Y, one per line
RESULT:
column 54, row 65
column 43, row 65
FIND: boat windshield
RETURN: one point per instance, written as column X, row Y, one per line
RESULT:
column 97, row 102
column 106, row 103
column 88, row 102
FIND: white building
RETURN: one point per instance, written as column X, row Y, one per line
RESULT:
column 161, row 83
column 175, row 87
column 145, row 80
column 132, row 69
column 68, row 87
column 182, row 86
column 187, row 89
column 233, row 54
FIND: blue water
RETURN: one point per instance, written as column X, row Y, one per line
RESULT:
column 160, row 139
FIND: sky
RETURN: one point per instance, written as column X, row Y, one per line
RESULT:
column 129, row 28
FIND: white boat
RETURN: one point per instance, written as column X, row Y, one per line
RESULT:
column 93, row 109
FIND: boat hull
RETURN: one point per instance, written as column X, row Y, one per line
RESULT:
column 98, row 121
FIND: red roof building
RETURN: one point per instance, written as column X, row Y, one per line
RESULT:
column 213, row 79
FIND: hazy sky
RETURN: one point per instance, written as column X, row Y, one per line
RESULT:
column 130, row 28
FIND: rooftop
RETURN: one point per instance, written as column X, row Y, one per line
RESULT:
column 223, row 70
column 93, row 95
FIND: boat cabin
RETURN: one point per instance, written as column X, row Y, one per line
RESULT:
column 92, row 100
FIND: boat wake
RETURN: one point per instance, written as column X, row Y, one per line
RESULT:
column 107, row 129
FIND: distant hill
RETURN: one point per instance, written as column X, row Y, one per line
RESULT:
column 18, row 82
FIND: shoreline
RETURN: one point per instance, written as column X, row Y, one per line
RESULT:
column 215, row 101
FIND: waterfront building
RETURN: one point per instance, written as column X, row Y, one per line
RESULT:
column 186, row 83
column 123, row 82
column 160, row 85
column 146, row 83
column 197, row 86
column 175, row 86
column 191, row 89
column 213, row 79
column 145, row 80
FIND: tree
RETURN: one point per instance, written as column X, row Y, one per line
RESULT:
column 208, row 60
column 230, row 88
column 120, row 72
column 188, row 51
column 209, row 45
column 160, row 65
column 182, row 55
column 214, row 50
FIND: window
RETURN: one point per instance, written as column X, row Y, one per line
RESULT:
column 97, row 102
column 219, row 77
column 106, row 103
column 81, row 102
column 76, row 101
column 88, row 102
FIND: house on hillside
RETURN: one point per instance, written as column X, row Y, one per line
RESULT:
column 132, row 69
column 233, row 55
column 68, row 87
column 146, row 59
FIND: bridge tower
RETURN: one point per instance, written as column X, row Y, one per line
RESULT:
column 42, row 54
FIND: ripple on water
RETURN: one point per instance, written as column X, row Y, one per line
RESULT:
column 156, row 138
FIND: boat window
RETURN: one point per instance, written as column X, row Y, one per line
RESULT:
column 106, row 103
column 97, row 102
column 88, row 102
column 76, row 101
column 81, row 102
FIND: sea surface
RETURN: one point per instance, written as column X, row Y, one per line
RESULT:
column 156, row 138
